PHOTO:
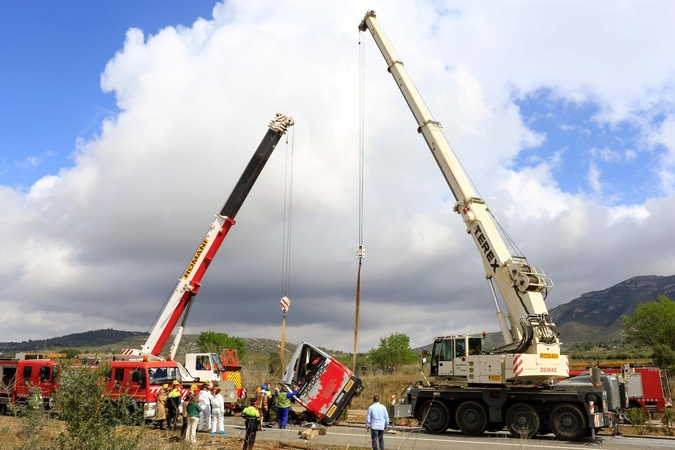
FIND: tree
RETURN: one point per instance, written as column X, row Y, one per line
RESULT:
column 274, row 363
column 70, row 352
column 212, row 342
column 393, row 351
column 653, row 324
column 93, row 419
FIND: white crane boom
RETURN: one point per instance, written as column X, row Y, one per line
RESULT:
column 522, row 287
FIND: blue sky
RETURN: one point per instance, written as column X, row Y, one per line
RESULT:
column 50, row 74
column 572, row 132
column 570, row 138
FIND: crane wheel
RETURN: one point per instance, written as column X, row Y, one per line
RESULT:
column 523, row 421
column 568, row 422
column 435, row 417
column 471, row 418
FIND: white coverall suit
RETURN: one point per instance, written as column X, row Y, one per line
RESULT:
column 205, row 397
column 217, row 413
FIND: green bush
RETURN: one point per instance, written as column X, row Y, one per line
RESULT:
column 33, row 420
column 93, row 419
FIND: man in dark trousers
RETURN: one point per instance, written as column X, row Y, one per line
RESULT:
column 173, row 404
column 377, row 420
column 251, row 417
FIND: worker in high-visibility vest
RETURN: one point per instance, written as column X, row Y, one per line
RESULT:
column 173, row 403
column 283, row 405
column 251, row 417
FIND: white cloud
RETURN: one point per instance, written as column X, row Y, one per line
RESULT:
column 100, row 244
column 594, row 178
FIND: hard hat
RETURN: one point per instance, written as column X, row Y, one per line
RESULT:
column 193, row 387
column 166, row 386
column 175, row 382
column 206, row 382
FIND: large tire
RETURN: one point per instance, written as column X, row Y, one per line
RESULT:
column 471, row 418
column 434, row 416
column 568, row 422
column 522, row 421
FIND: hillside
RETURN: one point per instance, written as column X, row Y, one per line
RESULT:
column 113, row 341
column 598, row 316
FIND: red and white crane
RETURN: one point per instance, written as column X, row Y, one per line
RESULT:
column 179, row 303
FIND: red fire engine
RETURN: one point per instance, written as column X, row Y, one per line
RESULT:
column 19, row 375
column 648, row 387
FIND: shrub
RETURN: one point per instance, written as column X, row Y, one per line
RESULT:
column 93, row 419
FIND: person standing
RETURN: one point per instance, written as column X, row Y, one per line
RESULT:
column 251, row 417
column 160, row 409
column 193, row 413
column 205, row 404
column 283, row 405
column 184, row 417
column 266, row 403
column 173, row 402
column 217, row 412
column 377, row 420
column 262, row 401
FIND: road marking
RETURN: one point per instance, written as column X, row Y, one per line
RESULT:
column 488, row 441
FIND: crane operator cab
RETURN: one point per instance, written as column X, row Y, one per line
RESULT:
column 448, row 356
column 204, row 366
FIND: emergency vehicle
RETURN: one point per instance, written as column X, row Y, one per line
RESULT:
column 648, row 386
column 19, row 375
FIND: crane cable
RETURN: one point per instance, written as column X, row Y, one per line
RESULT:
column 288, row 218
column 360, row 250
column 286, row 246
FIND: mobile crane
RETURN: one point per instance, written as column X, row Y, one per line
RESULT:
column 182, row 297
column 511, row 385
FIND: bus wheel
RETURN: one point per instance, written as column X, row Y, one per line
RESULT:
column 435, row 417
column 522, row 420
column 471, row 418
column 568, row 422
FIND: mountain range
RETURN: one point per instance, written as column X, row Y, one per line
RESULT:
column 594, row 317
column 598, row 316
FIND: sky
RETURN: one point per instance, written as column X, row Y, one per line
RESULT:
column 125, row 125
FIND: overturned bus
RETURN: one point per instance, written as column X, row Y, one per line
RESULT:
column 324, row 385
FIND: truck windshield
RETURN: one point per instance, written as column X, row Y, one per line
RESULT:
column 163, row 375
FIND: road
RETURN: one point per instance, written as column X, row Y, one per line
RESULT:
column 357, row 437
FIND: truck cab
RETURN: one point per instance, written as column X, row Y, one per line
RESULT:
column 142, row 381
column 204, row 366
column 449, row 355
column 18, row 376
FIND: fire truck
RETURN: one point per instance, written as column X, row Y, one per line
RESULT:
column 648, row 386
column 512, row 386
column 19, row 375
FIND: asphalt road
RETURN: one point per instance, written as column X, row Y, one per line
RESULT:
column 406, row 440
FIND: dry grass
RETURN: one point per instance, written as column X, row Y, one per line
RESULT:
column 147, row 439
column 383, row 386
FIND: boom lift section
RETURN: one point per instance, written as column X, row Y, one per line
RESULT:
column 523, row 288
column 188, row 285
